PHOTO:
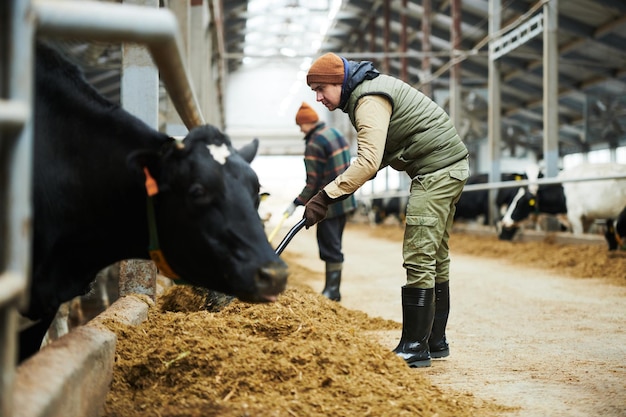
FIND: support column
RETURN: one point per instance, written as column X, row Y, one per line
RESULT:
column 386, row 40
column 494, row 135
column 199, row 53
column 550, row 89
column 427, row 88
column 140, row 97
column 140, row 78
column 181, row 9
column 403, row 48
column 455, row 70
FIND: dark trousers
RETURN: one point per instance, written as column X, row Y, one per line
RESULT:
column 329, row 235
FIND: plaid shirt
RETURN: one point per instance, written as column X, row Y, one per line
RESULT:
column 326, row 155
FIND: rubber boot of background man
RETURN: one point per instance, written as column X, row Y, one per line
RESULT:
column 437, row 342
column 333, row 281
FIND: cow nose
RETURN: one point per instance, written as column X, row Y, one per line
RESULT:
column 507, row 233
column 271, row 280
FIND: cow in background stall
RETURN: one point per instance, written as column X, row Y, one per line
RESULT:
column 107, row 187
column 473, row 205
column 386, row 208
column 582, row 201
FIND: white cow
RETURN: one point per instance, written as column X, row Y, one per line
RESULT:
column 587, row 201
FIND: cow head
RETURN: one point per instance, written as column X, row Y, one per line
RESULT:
column 206, row 215
column 524, row 203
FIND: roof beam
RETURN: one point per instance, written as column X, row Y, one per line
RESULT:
column 613, row 4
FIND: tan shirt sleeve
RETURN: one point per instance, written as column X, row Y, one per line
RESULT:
column 372, row 116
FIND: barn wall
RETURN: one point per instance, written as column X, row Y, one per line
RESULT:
column 262, row 100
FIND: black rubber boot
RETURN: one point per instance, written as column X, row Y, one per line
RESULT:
column 418, row 310
column 333, row 281
column 437, row 342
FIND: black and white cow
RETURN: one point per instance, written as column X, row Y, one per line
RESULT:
column 582, row 201
column 91, row 207
column 473, row 205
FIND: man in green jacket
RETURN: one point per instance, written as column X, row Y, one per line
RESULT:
column 326, row 155
column 398, row 126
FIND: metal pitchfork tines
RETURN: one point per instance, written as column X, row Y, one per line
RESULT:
column 281, row 246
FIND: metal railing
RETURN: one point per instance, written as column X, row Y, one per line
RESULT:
column 86, row 20
column 498, row 185
column 156, row 28
column 15, row 174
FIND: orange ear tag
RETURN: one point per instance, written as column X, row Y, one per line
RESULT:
column 151, row 185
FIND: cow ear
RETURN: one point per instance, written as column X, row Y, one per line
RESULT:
column 248, row 152
column 138, row 160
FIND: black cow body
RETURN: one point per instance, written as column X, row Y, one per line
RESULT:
column 90, row 204
column 616, row 232
column 383, row 208
column 475, row 204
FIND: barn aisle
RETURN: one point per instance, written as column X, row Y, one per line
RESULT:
column 548, row 344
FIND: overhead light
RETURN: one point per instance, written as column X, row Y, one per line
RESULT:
column 288, row 52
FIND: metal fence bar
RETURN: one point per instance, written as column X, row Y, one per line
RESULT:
column 13, row 114
column 20, row 20
column 498, row 185
column 110, row 22
column 540, row 181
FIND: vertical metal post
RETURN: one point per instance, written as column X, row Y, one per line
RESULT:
column 427, row 88
column 386, row 39
column 493, row 120
column 550, row 89
column 403, row 47
column 16, row 144
column 140, row 97
column 199, row 54
column 140, row 78
column 216, row 53
column 586, row 130
column 373, row 34
column 455, row 70
column 181, row 9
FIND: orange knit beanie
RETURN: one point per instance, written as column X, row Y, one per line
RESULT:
column 327, row 69
column 306, row 114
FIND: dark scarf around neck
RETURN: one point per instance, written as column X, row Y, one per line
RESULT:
column 356, row 72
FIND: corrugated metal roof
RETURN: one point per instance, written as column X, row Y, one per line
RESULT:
column 591, row 74
column 592, row 59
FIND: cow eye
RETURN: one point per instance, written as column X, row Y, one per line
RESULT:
column 199, row 194
column 197, row 190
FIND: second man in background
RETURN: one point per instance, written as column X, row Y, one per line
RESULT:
column 326, row 155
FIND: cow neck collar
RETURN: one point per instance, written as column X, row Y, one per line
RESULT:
column 153, row 247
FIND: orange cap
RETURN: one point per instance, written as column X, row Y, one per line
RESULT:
column 327, row 69
column 306, row 114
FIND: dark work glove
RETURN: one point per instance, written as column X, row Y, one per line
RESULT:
column 315, row 210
